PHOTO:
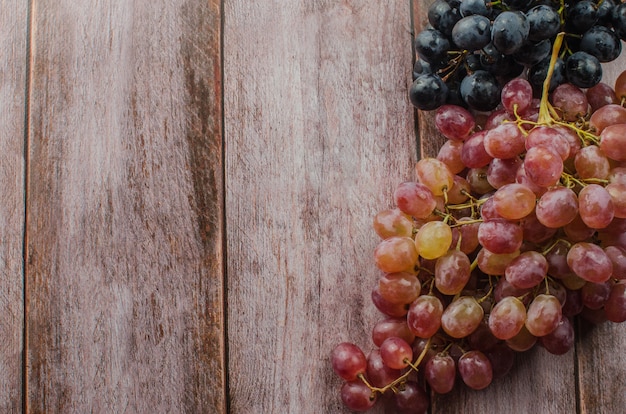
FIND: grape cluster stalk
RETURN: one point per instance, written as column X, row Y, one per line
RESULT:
column 518, row 225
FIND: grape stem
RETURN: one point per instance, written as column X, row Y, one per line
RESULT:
column 546, row 110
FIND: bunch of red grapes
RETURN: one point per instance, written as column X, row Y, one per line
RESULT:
column 514, row 229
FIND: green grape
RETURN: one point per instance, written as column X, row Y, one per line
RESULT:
column 433, row 239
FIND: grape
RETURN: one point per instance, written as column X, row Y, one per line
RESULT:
column 454, row 122
column 411, row 399
column 396, row 352
column 356, row 396
column 431, row 45
column 600, row 95
column 440, row 373
column 557, row 207
column 618, row 18
column 428, row 92
column 617, row 191
column 472, row 32
column 400, row 287
column 523, row 341
column 543, row 166
column 591, row 162
column 396, row 254
column 613, row 142
column 527, row 270
column 442, row 16
column 581, row 16
column 434, row 174
column 450, row 154
column 615, row 306
column 590, row 262
column 500, row 237
column 517, row 95
column 503, row 171
column 394, row 310
column 482, row 339
column 514, row 201
column 537, row 74
column 509, row 32
column 532, row 53
column 393, row 222
column 477, row 179
column 480, row 90
column 459, row 193
column 573, row 304
column 504, row 141
column 473, row 153
column 378, row 374
column 607, row 115
column 498, row 64
column 389, row 327
column 348, row 361
column 424, row 316
column 601, row 42
column 617, row 255
column 475, row 370
column 502, row 359
column 569, row 102
column 494, row 264
column 433, row 239
column 468, row 233
column 505, row 289
column 543, row 315
column 595, row 295
column 544, row 22
column 507, row 318
column 595, row 206
column 583, row 70
column 577, row 230
column 461, row 317
column 561, row 339
column 620, row 82
column 452, row 272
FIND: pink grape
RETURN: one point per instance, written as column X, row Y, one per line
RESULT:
column 348, row 361
column 450, row 154
column 615, row 307
column 500, row 237
column 591, row 162
column 454, row 122
column 411, row 399
column 415, row 199
column 475, row 370
column 561, row 339
column 549, row 137
column 516, row 95
column 534, row 231
column 401, row 287
column 617, row 255
column 378, row 374
column 607, row 115
column 452, row 271
column 613, row 142
column 595, row 295
column 504, row 141
column 514, row 201
column 617, row 191
column 424, row 316
column 527, row 270
column 396, row 352
column 557, row 207
column 356, row 396
column 601, row 95
column 595, row 206
column 440, row 373
column 434, row 174
column 473, row 153
column 507, row 318
column 462, row 317
column 543, row 166
column 393, row 222
column 389, row 327
column 570, row 102
column 394, row 310
column 396, row 254
column 543, row 315
column 501, row 172
column 590, row 262
column 523, row 341
column 494, row 264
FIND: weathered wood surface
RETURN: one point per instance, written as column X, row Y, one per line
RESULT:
column 187, row 211
column 13, row 49
column 125, row 208
column 318, row 132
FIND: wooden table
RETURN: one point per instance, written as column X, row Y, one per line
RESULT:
column 188, row 189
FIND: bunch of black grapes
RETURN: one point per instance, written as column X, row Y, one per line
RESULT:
column 472, row 47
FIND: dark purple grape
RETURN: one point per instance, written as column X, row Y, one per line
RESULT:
column 581, row 16
column 601, row 42
column 498, row 64
column 537, row 74
column 431, row 45
column 532, row 53
column 583, row 70
column 428, row 92
column 517, row 4
column 618, row 18
column 473, row 7
column 442, row 16
column 544, row 22
column 421, row 67
column 472, row 32
column 509, row 32
column 411, row 398
column 605, row 9
column 481, row 91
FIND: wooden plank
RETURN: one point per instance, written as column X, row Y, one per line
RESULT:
column 125, row 220
column 13, row 69
column 319, row 131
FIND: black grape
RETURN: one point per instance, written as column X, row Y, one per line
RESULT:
column 544, row 22
column 537, row 75
column 532, row 53
column 442, row 16
column 472, row 32
column 583, row 70
column 431, row 45
column 480, row 90
column 509, row 32
column 618, row 18
column 581, row 16
column 601, row 42
column 471, row 7
column 428, row 92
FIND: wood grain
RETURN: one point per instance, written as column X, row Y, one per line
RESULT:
column 125, row 217
column 318, row 133
column 13, row 69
